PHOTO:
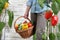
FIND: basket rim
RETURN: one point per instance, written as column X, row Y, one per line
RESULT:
column 25, row 30
column 20, row 17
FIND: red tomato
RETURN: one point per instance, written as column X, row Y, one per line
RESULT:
column 29, row 24
column 54, row 20
column 48, row 14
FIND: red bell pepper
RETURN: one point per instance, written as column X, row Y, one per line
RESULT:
column 29, row 24
column 54, row 20
column 48, row 14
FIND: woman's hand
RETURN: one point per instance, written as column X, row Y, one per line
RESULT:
column 26, row 15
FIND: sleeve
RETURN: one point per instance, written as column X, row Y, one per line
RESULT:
column 29, row 3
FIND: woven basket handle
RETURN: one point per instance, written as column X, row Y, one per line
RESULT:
column 21, row 17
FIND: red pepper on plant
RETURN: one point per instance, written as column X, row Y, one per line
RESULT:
column 48, row 14
column 54, row 20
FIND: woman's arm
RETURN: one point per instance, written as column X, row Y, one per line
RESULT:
column 27, row 11
column 29, row 4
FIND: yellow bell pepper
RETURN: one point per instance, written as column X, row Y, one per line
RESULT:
column 6, row 5
column 24, row 26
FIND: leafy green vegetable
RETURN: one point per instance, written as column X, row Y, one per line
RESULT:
column 52, row 36
column 11, row 17
column 19, row 27
column 2, row 24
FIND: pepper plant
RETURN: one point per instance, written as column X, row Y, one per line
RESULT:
column 51, row 19
column 3, row 7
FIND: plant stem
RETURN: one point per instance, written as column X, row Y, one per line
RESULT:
column 0, row 17
column 47, row 30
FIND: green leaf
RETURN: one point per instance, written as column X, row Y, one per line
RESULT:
column 2, row 24
column 2, row 3
column 58, row 4
column 0, row 12
column 11, row 17
column 58, row 1
column 52, row 36
column 41, row 3
column 1, row 7
column 44, row 36
column 5, row 1
column 34, row 36
column 55, row 7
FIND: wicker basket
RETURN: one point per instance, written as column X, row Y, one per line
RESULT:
column 24, row 33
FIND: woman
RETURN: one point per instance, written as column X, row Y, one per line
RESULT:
column 37, row 15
